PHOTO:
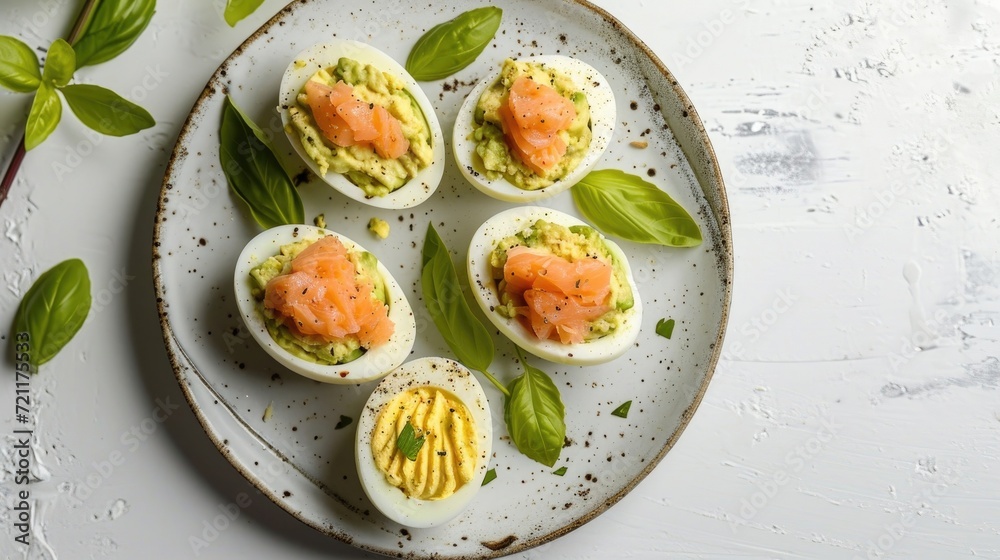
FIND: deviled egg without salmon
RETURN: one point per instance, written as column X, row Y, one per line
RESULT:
column 424, row 442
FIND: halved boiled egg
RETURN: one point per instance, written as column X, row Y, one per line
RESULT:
column 322, row 306
column 376, row 139
column 424, row 442
column 555, row 286
column 521, row 141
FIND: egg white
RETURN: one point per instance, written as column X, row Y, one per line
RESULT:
column 373, row 364
column 603, row 115
column 325, row 55
column 390, row 500
column 485, row 291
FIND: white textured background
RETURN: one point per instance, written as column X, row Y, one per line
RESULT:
column 855, row 413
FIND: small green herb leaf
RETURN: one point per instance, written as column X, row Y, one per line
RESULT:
column 46, row 110
column 60, row 63
column 491, row 475
column 114, row 26
column 239, row 9
column 105, row 111
column 535, row 415
column 464, row 333
column 629, row 207
column 622, row 410
column 407, row 442
column 18, row 66
column 560, row 471
column 54, row 309
column 254, row 173
column 345, row 421
column 665, row 327
column 448, row 47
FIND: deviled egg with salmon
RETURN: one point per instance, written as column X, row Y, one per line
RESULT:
column 555, row 286
column 424, row 442
column 323, row 306
column 362, row 124
column 534, row 127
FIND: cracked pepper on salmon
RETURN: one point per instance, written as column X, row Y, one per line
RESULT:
column 560, row 298
column 322, row 295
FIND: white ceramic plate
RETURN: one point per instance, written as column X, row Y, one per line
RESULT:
column 297, row 457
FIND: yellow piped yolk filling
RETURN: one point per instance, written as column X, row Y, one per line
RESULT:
column 447, row 459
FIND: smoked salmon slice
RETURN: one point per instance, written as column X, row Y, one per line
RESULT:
column 358, row 116
column 389, row 142
column 323, row 100
column 322, row 296
column 539, row 107
column 347, row 121
column 559, row 316
column 557, row 298
column 531, row 119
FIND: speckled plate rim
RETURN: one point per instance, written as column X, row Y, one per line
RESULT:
column 691, row 136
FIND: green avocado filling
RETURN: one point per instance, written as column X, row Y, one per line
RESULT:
column 491, row 146
column 375, row 175
column 571, row 243
column 312, row 348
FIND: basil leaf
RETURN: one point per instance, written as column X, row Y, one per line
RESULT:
column 345, row 421
column 535, row 415
column 464, row 333
column 622, row 410
column 448, row 47
column 105, row 111
column 114, row 26
column 18, row 66
column 561, row 471
column 254, row 173
column 46, row 110
column 491, row 475
column 407, row 442
column 665, row 327
column 60, row 63
column 239, row 9
column 54, row 309
column 629, row 207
